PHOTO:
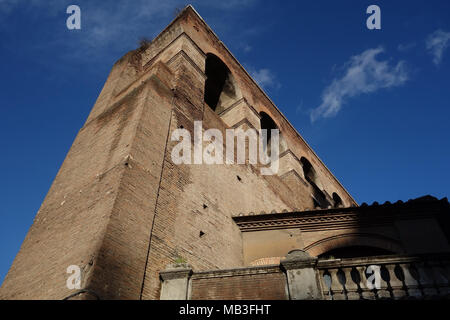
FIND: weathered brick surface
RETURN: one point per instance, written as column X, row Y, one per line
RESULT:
column 122, row 210
column 99, row 210
column 269, row 286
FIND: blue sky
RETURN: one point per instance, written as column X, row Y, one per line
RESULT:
column 373, row 104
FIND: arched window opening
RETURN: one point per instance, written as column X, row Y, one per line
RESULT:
column 316, row 203
column 220, row 91
column 308, row 171
column 354, row 252
column 267, row 123
column 337, row 200
column 320, row 200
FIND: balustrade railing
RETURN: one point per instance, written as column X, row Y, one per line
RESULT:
column 385, row 277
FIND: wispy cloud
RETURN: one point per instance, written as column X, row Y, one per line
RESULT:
column 265, row 78
column 363, row 74
column 246, row 47
column 300, row 109
column 108, row 28
column 51, row 6
column 437, row 43
column 403, row 47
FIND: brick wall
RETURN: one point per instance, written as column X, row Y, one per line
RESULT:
column 270, row 285
column 121, row 210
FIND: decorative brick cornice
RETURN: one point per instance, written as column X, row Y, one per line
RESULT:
column 340, row 218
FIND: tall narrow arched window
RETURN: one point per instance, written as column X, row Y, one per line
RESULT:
column 308, row 171
column 268, row 124
column 337, row 200
column 319, row 198
column 220, row 88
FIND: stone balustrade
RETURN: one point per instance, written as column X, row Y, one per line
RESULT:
column 385, row 277
column 299, row 276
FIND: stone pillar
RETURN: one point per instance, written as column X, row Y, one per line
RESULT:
column 301, row 276
column 175, row 281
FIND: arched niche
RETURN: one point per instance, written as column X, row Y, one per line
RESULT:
column 322, row 246
column 267, row 123
column 354, row 251
column 337, row 200
column 221, row 90
column 309, row 172
column 319, row 198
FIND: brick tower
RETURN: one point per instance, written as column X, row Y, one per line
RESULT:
column 121, row 209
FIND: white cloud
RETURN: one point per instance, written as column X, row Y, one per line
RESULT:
column 109, row 26
column 123, row 22
column 403, row 47
column 363, row 74
column 437, row 43
column 265, row 78
column 247, row 48
column 104, row 24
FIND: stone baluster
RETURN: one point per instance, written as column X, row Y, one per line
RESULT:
column 383, row 290
column 350, row 285
column 394, row 280
column 326, row 285
column 336, row 287
column 366, row 293
column 440, row 278
column 445, row 268
column 412, row 285
column 396, row 283
column 426, row 280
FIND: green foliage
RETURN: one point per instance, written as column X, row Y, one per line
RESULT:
column 180, row 260
column 144, row 43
